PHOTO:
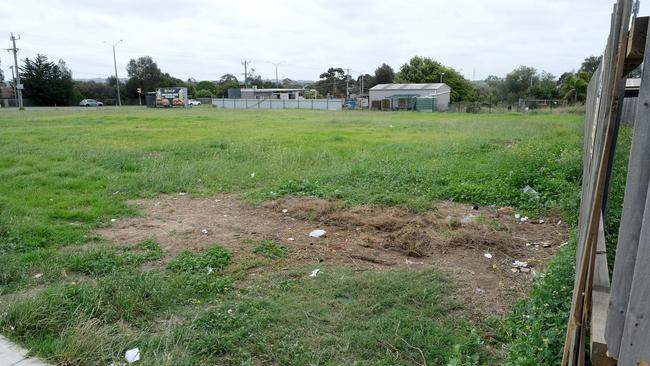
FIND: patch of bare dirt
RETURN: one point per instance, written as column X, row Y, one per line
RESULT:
column 455, row 238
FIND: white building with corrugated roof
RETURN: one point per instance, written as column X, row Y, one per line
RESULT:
column 440, row 92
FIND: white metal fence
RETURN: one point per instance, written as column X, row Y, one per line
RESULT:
column 322, row 104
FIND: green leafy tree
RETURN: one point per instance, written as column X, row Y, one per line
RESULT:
column 590, row 64
column 426, row 70
column 226, row 82
column 545, row 88
column 104, row 92
column 518, row 82
column 47, row 83
column 144, row 73
column 384, row 74
column 331, row 82
column 574, row 86
column 210, row 86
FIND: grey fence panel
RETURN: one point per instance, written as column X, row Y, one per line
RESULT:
column 318, row 104
column 625, row 332
column 629, row 110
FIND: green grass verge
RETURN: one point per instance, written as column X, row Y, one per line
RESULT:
column 65, row 172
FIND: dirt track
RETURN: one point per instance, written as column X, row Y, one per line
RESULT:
column 455, row 238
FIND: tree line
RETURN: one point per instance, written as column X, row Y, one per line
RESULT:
column 49, row 83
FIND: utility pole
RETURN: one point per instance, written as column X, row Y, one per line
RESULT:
column 17, row 85
column 245, row 63
column 13, row 77
column 347, row 85
column 117, row 80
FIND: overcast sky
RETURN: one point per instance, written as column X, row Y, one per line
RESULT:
column 207, row 38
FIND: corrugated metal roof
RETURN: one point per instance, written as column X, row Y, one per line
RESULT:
column 433, row 86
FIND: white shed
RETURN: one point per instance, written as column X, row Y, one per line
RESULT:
column 440, row 91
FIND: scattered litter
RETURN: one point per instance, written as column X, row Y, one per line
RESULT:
column 132, row 355
column 517, row 216
column 314, row 273
column 12, row 327
column 530, row 191
column 217, row 200
column 524, row 269
column 253, row 175
column 408, row 262
column 38, row 275
column 541, row 221
column 519, row 264
column 210, row 269
column 479, row 290
column 524, row 219
column 545, row 244
column 559, row 223
column 113, row 220
column 285, row 211
column 318, row 233
column 291, row 239
column 467, row 219
column 563, row 244
column 182, row 193
column 488, row 255
column 204, row 231
column 514, row 270
column 230, row 311
column 527, row 244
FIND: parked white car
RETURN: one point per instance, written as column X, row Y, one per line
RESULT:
column 194, row 102
column 90, row 103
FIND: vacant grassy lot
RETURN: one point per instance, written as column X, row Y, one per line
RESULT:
column 76, row 299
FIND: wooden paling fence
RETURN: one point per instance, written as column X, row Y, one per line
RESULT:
column 615, row 319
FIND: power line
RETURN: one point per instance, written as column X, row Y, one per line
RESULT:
column 17, row 84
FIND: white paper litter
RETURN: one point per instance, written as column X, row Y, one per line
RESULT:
column 291, row 239
column 519, row 264
column 38, row 275
column 113, row 220
column 210, row 269
column 182, row 194
column 314, row 273
column 488, row 255
column 285, row 211
column 253, row 175
column 204, row 231
column 132, row 355
column 524, row 219
column 517, row 216
column 318, row 233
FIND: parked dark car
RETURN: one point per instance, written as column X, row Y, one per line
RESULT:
column 90, row 103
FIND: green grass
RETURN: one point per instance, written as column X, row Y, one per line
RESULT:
column 271, row 249
column 65, row 172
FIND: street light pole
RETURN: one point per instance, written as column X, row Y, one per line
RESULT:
column 276, row 64
column 441, row 75
column 117, row 80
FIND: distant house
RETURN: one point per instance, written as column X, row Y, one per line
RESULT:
column 271, row 93
column 435, row 96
